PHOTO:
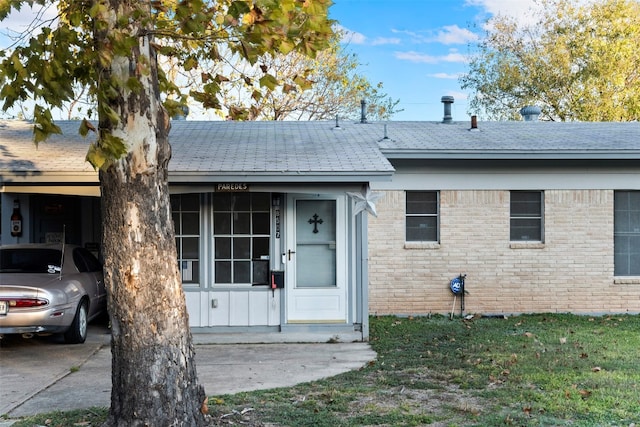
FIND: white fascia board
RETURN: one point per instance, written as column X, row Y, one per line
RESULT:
column 584, row 179
column 257, row 177
column 43, row 177
column 512, row 154
column 68, row 190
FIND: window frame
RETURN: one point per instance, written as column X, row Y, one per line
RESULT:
column 425, row 214
column 233, row 256
column 619, row 234
column 519, row 218
column 196, row 263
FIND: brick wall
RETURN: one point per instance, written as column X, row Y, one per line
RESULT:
column 572, row 271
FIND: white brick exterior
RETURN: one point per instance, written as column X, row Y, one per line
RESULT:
column 572, row 271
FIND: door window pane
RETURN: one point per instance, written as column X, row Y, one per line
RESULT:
column 315, row 243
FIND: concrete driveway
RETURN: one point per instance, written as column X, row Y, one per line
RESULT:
column 43, row 374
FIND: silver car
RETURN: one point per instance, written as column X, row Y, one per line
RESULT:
column 49, row 289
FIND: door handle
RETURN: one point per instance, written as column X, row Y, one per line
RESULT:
column 289, row 252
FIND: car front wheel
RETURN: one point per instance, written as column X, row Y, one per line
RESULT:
column 77, row 332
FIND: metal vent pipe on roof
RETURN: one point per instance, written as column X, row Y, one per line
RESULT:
column 182, row 115
column 363, row 111
column 447, row 101
column 530, row 113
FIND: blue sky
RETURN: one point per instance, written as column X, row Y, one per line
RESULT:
column 418, row 48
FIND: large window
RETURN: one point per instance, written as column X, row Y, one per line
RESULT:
column 185, row 209
column 422, row 216
column 241, row 229
column 527, row 214
column 626, row 233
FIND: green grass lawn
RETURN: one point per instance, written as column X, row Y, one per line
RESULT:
column 533, row 370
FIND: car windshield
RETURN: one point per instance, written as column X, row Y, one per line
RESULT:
column 30, row 260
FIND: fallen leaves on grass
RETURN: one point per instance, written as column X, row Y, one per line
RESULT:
column 584, row 393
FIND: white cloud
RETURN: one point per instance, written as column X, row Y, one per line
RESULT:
column 448, row 35
column 26, row 20
column 452, row 34
column 417, row 57
column 446, row 76
column 413, row 56
column 457, row 95
column 353, row 37
column 524, row 11
column 515, row 8
column 385, row 40
column 349, row 36
column 27, row 17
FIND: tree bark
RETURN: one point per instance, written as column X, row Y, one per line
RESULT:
column 154, row 379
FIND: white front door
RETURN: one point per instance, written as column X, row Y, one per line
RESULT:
column 315, row 260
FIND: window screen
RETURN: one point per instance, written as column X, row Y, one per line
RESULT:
column 527, row 216
column 422, row 216
column 626, row 233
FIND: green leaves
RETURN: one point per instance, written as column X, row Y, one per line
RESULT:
column 72, row 58
column 44, row 125
column 109, row 148
column 579, row 62
column 238, row 8
column 268, row 81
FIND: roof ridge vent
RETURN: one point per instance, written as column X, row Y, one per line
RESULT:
column 530, row 113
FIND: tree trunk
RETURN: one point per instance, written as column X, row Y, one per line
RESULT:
column 154, row 380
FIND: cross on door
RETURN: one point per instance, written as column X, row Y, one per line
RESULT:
column 315, row 220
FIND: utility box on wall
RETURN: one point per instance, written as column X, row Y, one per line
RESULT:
column 277, row 279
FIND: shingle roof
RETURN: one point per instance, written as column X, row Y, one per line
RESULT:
column 318, row 151
column 61, row 160
column 207, row 151
column 513, row 140
column 273, row 149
